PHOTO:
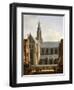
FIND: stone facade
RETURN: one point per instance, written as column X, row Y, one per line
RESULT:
column 26, row 51
column 42, row 53
column 49, row 53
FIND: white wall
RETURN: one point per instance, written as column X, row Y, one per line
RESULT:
column 4, row 43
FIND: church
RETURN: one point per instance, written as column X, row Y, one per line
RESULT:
column 38, row 52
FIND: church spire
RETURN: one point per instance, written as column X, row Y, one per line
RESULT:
column 39, row 28
column 39, row 36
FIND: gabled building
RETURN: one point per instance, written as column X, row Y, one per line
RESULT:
column 26, row 52
column 49, row 51
column 42, row 53
column 30, row 50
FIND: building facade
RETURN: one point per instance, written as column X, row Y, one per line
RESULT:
column 31, row 49
column 40, row 52
column 49, row 52
column 60, row 63
column 26, row 51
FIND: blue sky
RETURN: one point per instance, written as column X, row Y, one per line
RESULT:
column 52, row 27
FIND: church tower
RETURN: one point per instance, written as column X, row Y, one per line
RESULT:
column 39, row 36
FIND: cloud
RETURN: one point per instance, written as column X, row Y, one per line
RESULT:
column 52, row 36
column 51, row 26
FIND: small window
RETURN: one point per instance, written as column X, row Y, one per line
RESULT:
column 46, row 51
column 42, row 51
column 50, row 61
column 51, row 50
column 56, row 50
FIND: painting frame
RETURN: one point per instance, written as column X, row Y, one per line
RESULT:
column 13, row 44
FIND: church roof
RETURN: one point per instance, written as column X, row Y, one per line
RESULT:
column 26, row 36
column 50, row 44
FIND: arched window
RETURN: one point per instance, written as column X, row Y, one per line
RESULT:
column 42, row 51
column 47, row 51
column 56, row 51
column 51, row 50
column 50, row 61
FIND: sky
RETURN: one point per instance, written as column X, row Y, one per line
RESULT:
column 52, row 27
